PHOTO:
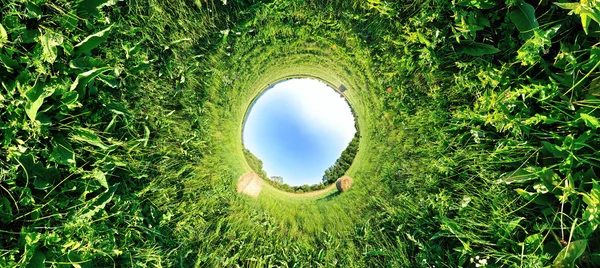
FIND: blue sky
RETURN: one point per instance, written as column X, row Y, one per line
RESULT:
column 298, row 128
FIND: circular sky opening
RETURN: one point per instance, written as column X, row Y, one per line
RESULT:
column 298, row 128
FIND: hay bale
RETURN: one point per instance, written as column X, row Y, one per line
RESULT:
column 344, row 183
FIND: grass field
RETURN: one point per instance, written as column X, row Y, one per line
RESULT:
column 121, row 126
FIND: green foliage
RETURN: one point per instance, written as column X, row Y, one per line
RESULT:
column 523, row 16
column 477, row 49
column 342, row 164
column 255, row 163
column 120, row 125
column 586, row 9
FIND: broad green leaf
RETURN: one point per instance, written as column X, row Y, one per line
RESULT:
column 109, row 80
column 568, row 255
column 42, row 183
column 80, row 83
column 33, row 10
column 512, row 225
column 592, row 212
column 523, row 175
column 69, row 100
column 69, row 21
column 593, row 198
column 591, row 13
column 62, row 152
column 585, row 22
column 92, row 41
column 550, row 178
column 523, row 16
column 588, row 11
column 31, row 239
column 536, row 198
column 90, row 8
column 43, row 178
column 140, row 67
column 86, row 63
column 43, row 119
column 35, row 99
column 590, row 121
column 49, row 42
column 99, row 176
column 10, row 64
column 533, row 243
column 481, row 4
column 477, row 49
column 568, row 6
column 3, row 36
column 88, row 136
column 6, row 213
column 117, row 108
column 32, row 243
column 581, row 141
column 99, row 203
column 38, row 260
column 556, row 150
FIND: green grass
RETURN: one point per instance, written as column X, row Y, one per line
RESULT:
column 479, row 124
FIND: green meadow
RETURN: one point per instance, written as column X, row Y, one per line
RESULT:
column 121, row 126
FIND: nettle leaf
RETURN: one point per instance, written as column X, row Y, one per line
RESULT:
column 590, row 121
column 523, row 175
column 62, row 152
column 69, row 100
column 90, row 8
column 88, row 136
column 6, row 213
column 481, row 4
column 33, row 11
column 523, row 16
column 477, row 49
column 3, row 36
column 568, row 255
column 35, row 99
column 99, row 202
column 109, row 80
column 43, row 178
column 38, row 260
column 86, row 63
column 536, row 198
column 533, row 243
column 117, row 108
column 99, row 176
column 10, row 64
column 49, row 42
column 557, row 151
column 80, row 83
column 92, row 41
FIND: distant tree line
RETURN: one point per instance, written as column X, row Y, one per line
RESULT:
column 331, row 174
column 255, row 163
column 343, row 163
column 277, row 181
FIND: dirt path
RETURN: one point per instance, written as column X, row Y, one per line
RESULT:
column 250, row 184
column 311, row 194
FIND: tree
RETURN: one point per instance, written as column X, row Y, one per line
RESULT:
column 255, row 163
column 277, row 179
column 342, row 164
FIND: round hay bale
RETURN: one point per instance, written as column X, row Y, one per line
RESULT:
column 344, row 183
